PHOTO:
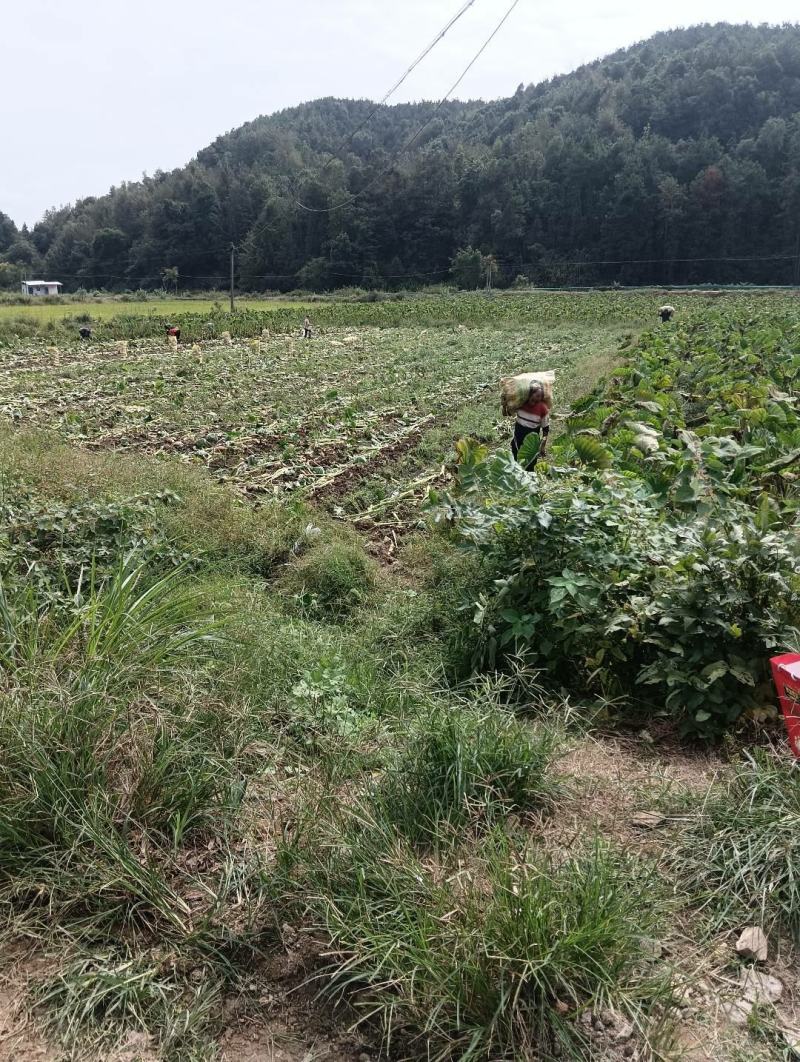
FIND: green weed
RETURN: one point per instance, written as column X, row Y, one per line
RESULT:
column 465, row 764
column 496, row 959
column 109, row 999
column 101, row 754
column 741, row 849
column 331, row 579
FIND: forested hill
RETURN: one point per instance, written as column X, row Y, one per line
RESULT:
column 675, row 160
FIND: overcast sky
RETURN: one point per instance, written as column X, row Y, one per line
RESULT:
column 96, row 92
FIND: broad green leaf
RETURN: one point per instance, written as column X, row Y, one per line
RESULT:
column 530, row 448
column 712, row 672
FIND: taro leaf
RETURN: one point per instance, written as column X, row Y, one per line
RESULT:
column 781, row 463
column 640, row 428
column 648, row 444
column 529, row 450
column 691, row 442
column 724, row 447
column 470, row 453
column 592, row 452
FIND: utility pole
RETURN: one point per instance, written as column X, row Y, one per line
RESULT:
column 233, row 249
column 490, row 263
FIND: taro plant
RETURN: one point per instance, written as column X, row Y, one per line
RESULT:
column 666, row 566
column 588, row 578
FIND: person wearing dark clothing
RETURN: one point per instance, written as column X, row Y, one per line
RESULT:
column 666, row 313
column 85, row 332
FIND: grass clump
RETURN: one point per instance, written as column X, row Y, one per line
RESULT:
column 467, row 764
column 496, row 958
column 113, row 998
column 112, row 751
column 331, row 579
column 742, row 850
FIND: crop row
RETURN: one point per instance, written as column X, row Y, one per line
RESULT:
column 507, row 309
column 271, row 414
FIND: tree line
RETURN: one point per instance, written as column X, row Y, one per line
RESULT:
column 674, row 161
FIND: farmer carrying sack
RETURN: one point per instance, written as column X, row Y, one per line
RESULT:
column 516, row 390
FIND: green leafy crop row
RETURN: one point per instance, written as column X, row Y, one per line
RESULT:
column 540, row 307
column 655, row 557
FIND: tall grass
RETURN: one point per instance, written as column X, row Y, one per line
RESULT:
column 741, row 850
column 110, row 752
column 496, row 957
column 444, row 925
column 467, row 764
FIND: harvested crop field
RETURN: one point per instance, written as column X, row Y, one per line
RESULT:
column 363, row 420
column 326, row 732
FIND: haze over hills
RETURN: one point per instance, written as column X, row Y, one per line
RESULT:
column 676, row 160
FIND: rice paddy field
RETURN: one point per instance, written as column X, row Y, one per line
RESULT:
column 260, row 796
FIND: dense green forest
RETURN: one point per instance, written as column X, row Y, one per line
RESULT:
column 674, row 161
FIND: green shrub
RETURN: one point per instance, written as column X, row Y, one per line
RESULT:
column 591, row 580
column 668, row 570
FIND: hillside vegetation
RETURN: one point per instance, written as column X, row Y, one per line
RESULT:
column 670, row 161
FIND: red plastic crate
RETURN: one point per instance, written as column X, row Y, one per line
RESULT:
column 786, row 675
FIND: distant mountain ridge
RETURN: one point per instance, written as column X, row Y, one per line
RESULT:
column 675, row 160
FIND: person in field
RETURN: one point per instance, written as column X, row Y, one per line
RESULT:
column 173, row 331
column 306, row 329
column 85, row 332
column 666, row 313
column 534, row 416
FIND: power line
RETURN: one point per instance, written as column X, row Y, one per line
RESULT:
column 409, row 70
column 422, row 128
column 423, row 54
column 411, row 274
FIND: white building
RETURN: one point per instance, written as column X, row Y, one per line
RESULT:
column 41, row 287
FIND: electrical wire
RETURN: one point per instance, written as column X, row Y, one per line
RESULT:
column 418, row 275
column 422, row 128
column 347, row 140
column 423, row 54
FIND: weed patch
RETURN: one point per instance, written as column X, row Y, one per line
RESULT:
column 498, row 959
column 471, row 764
column 741, row 850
